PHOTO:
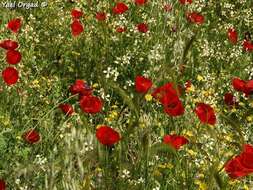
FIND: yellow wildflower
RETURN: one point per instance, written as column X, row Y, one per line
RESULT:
column 201, row 176
column 190, row 89
column 205, row 93
column 112, row 116
column 108, row 119
column 228, row 138
column 157, row 173
column 5, row 120
column 233, row 110
column 169, row 166
column 161, row 166
column 148, row 97
column 98, row 169
column 114, row 106
column 188, row 133
column 196, row 100
column 202, row 185
column 228, row 154
column 35, row 82
column 95, row 85
column 249, row 118
column 200, row 78
column 191, row 152
column 142, row 125
column 76, row 53
column 166, row 166
column 233, row 182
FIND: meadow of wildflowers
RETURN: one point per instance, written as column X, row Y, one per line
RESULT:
column 126, row 95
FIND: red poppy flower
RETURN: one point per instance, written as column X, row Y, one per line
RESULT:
column 246, row 157
column 167, row 7
column 120, row 8
column 13, row 57
column 176, row 141
column 142, row 27
column 101, row 16
column 80, row 87
column 165, row 93
column 31, row 136
column 238, row 84
column 9, row 45
column 232, row 35
column 140, row 2
column 242, row 164
column 174, row 107
column 10, row 75
column 247, row 45
column 229, row 99
column 142, row 84
column 107, row 136
column 235, row 169
column 2, row 184
column 120, row 29
column 248, row 148
column 183, row 2
column 76, row 28
column 67, row 109
column 90, row 104
column 195, row 17
column 14, row 25
column 205, row 113
column 76, row 14
column 249, row 87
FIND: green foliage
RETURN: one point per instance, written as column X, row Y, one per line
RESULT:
column 69, row 156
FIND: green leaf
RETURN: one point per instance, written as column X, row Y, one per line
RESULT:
column 233, row 121
column 163, row 148
column 125, row 97
column 3, row 143
column 218, row 180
